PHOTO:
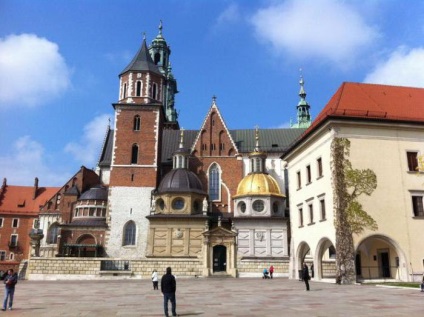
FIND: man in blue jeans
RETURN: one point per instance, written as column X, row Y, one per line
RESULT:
column 10, row 281
column 168, row 286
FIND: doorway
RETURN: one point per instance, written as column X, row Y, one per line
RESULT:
column 384, row 263
column 219, row 258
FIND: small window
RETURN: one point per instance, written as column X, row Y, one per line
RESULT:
column 319, row 167
column 36, row 224
column 299, row 180
column 137, row 123
column 222, row 146
column 15, row 223
column 242, row 207
column 161, row 204
column 311, row 214
column 11, row 256
column 275, row 207
column 308, row 173
column 412, row 158
column 213, row 148
column 178, row 204
column 2, row 255
column 204, row 147
column 322, row 205
column 154, row 91
column 300, row 217
column 417, row 205
column 1, row 222
column 124, row 93
column 134, row 154
column 13, row 240
column 258, row 205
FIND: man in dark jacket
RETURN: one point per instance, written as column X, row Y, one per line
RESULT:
column 168, row 286
column 10, row 281
column 306, row 276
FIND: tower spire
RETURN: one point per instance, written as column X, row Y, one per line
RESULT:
column 303, row 107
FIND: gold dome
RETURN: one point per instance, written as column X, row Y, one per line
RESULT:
column 258, row 184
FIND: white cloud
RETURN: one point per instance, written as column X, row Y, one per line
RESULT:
column 27, row 161
column 87, row 150
column 31, row 70
column 404, row 67
column 325, row 29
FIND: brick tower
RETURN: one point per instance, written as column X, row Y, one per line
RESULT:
column 145, row 107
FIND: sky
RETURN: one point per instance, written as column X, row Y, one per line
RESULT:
column 60, row 61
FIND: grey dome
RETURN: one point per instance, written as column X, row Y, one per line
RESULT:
column 181, row 180
column 95, row 193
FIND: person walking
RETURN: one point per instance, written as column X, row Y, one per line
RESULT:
column 155, row 280
column 10, row 281
column 168, row 286
column 312, row 270
column 271, row 271
column 305, row 275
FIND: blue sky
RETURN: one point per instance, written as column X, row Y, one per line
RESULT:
column 60, row 60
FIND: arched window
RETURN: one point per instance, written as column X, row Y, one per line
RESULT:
column 154, row 91
column 134, row 154
column 138, row 88
column 129, row 233
column 124, row 93
column 137, row 123
column 214, row 182
column 52, row 233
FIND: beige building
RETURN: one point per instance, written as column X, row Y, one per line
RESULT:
column 385, row 127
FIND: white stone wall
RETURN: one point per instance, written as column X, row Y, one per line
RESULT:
column 261, row 239
column 310, row 194
column 125, row 204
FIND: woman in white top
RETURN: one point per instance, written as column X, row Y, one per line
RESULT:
column 155, row 280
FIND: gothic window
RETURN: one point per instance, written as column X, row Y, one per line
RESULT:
column 124, row 93
column 137, row 123
column 129, row 233
column 52, row 233
column 138, row 88
column 134, row 154
column 214, row 182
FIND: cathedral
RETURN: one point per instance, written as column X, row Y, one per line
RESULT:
column 218, row 201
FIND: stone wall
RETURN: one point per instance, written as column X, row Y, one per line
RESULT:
column 89, row 268
column 255, row 267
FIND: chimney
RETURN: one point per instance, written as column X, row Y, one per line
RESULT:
column 35, row 188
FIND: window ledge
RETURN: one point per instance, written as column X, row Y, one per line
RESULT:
column 418, row 217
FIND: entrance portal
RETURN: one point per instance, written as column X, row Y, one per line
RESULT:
column 383, row 262
column 219, row 258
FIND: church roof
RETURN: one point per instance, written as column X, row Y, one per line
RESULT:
column 272, row 140
column 106, row 154
column 258, row 184
column 142, row 61
column 95, row 193
column 180, row 180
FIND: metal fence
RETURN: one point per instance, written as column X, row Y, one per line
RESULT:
column 112, row 265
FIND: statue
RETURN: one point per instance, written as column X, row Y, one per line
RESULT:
column 205, row 206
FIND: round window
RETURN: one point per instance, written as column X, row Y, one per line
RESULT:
column 258, row 205
column 178, row 203
column 242, row 206
column 275, row 207
column 161, row 204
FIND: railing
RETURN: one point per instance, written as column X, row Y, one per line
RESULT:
column 112, row 265
column 378, row 272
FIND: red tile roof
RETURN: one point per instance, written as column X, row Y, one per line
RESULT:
column 383, row 103
column 356, row 100
column 19, row 199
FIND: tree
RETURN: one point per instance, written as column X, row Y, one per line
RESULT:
column 349, row 216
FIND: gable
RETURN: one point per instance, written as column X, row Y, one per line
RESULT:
column 214, row 138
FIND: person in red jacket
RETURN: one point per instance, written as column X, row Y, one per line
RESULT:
column 271, row 271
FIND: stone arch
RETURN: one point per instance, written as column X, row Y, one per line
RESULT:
column 303, row 250
column 380, row 257
column 86, row 239
column 324, row 264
